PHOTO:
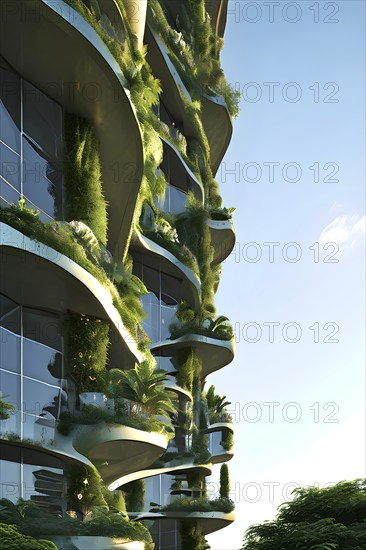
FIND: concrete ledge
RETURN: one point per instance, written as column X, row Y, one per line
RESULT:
column 35, row 274
column 52, row 46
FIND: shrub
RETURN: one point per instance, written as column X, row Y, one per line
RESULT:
column 227, row 440
column 224, row 481
column 11, row 539
column 192, row 536
column 87, row 341
column 134, row 494
column 84, row 200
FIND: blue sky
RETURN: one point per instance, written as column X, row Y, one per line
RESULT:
column 298, row 401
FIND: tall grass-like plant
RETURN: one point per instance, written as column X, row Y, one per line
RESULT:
column 87, row 341
column 224, row 481
column 192, row 536
column 11, row 539
column 134, row 494
column 84, row 199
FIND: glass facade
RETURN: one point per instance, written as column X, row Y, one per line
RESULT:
column 31, row 371
column 174, row 200
column 161, row 302
column 30, row 146
column 32, row 475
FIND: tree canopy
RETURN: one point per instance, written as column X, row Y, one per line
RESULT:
column 333, row 518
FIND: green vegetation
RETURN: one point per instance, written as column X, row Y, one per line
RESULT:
column 85, row 489
column 91, row 415
column 192, row 536
column 84, row 200
column 139, row 394
column 27, row 517
column 227, row 440
column 222, row 213
column 325, row 519
column 195, row 52
column 11, row 539
column 123, row 286
column 144, row 387
column 87, row 341
column 190, row 367
column 134, row 494
column 224, row 481
column 202, row 504
column 216, row 406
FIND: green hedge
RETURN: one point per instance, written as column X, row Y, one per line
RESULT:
column 84, row 200
column 11, row 539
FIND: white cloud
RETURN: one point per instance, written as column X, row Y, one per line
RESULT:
column 344, row 230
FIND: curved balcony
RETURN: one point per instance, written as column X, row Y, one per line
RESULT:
column 218, row 127
column 172, row 84
column 215, row 432
column 117, row 449
column 159, row 258
column 222, row 239
column 136, row 13
column 217, row 10
column 180, row 171
column 56, row 283
column 212, row 352
column 94, row 543
column 50, row 44
column 60, row 447
column 170, row 385
column 180, row 466
column 208, row 522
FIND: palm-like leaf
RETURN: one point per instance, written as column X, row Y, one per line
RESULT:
column 144, row 386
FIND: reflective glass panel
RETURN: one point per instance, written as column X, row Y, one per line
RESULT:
column 10, row 168
column 40, row 398
column 9, row 350
column 177, row 199
column 9, row 314
column 41, row 180
column 151, row 324
column 9, row 107
column 38, row 428
column 42, row 121
column 10, row 393
column 10, row 486
column 41, row 362
column 42, row 327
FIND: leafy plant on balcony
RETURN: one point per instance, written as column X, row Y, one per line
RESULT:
column 134, row 493
column 199, row 446
column 202, row 504
column 91, row 415
column 224, row 481
column 102, row 520
column 221, row 214
column 192, row 536
column 11, row 539
column 87, row 341
column 227, row 440
column 218, row 328
column 216, row 406
column 144, row 387
column 189, row 368
column 84, row 489
column 164, row 237
column 84, row 198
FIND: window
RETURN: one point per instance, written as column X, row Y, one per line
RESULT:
column 30, row 146
column 31, row 370
column 161, row 303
